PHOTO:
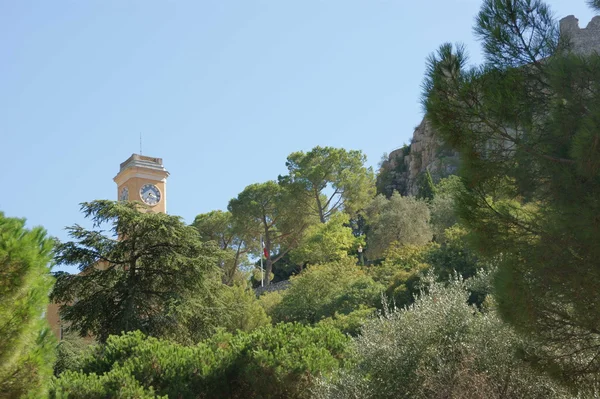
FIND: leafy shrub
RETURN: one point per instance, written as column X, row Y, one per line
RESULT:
column 69, row 351
column 400, row 272
column 404, row 220
column 443, row 206
column 242, row 311
column 269, row 301
column 322, row 290
column 454, row 255
column 326, row 242
column 440, row 347
column 350, row 323
column 270, row 362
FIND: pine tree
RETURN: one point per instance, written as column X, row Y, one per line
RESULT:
column 527, row 125
column 27, row 345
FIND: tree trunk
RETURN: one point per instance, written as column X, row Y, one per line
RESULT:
column 268, row 269
column 269, row 261
column 229, row 273
column 320, row 206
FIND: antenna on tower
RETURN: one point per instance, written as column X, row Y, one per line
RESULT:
column 140, row 143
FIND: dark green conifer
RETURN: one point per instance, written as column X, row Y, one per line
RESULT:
column 527, row 125
column 149, row 272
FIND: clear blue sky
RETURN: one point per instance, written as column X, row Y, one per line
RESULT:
column 221, row 90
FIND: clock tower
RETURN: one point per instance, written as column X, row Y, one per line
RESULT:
column 143, row 179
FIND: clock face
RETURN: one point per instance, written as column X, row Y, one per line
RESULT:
column 150, row 194
column 124, row 195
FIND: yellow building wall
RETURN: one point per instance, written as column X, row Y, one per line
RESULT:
column 135, row 178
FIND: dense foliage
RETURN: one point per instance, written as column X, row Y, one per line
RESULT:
column 241, row 309
column 219, row 227
column 527, row 126
column 400, row 272
column 486, row 285
column 271, row 362
column 152, row 274
column 326, row 242
column 440, row 347
column 324, row 290
column 328, row 180
column 403, row 220
column 443, row 206
column 269, row 215
column 26, row 347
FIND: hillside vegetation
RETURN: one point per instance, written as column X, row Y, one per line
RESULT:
column 486, row 284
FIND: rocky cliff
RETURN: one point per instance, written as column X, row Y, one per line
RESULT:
column 406, row 167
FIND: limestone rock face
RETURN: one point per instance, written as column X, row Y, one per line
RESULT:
column 583, row 40
column 405, row 167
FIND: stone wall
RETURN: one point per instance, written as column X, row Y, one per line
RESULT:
column 278, row 286
column 582, row 40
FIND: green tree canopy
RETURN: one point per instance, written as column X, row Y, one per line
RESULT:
column 323, row 290
column 218, row 226
column 27, row 345
column 139, row 275
column 527, row 125
column 242, row 309
column 402, row 220
column 401, row 271
column 326, row 242
column 270, row 211
column 330, row 179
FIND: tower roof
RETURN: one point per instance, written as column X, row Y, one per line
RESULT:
column 142, row 161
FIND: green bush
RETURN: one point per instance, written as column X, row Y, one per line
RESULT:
column 350, row 323
column 69, row 351
column 454, row 255
column 401, row 270
column 443, row 206
column 242, row 310
column 269, row 301
column 326, row 242
column 403, row 220
column 270, row 362
column 440, row 347
column 322, row 290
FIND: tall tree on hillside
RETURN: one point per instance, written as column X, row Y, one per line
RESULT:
column 330, row 179
column 527, row 125
column 218, row 226
column 140, row 276
column 272, row 212
column 27, row 345
column 400, row 220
